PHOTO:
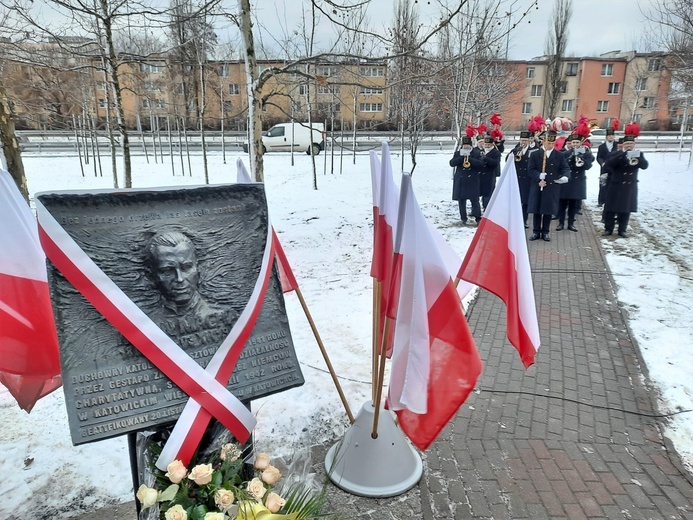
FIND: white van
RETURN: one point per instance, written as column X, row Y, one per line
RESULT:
column 279, row 138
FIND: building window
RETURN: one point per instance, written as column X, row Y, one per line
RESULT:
column 223, row 71
column 372, row 71
column 602, row 106
column 637, row 118
column 571, row 69
column 151, row 69
column 614, row 88
column 329, row 108
column 567, row 105
column 530, row 73
column 234, row 89
column 371, row 107
column 100, row 86
column 641, row 84
column 327, row 71
column 328, row 89
column 152, row 85
column 563, row 87
column 537, row 90
column 607, row 69
column 648, row 102
column 526, row 108
column 653, row 65
column 302, row 90
column 102, row 103
column 371, row 90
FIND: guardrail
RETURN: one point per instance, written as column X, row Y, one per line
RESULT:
column 65, row 142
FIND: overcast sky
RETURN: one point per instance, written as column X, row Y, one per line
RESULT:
column 596, row 27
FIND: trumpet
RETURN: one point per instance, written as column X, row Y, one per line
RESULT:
column 633, row 157
column 579, row 161
column 465, row 162
column 518, row 155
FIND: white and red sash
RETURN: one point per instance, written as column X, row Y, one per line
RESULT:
column 206, row 387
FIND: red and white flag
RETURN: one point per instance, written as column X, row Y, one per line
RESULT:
column 29, row 359
column 435, row 363
column 497, row 260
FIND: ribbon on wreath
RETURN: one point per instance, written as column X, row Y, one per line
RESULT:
column 209, row 396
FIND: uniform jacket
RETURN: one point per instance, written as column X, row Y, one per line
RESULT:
column 467, row 181
column 622, row 186
column 490, row 171
column 545, row 201
column 523, row 178
column 603, row 153
column 576, row 187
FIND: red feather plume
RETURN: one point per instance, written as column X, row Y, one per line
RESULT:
column 632, row 129
column 496, row 119
column 496, row 134
column 536, row 124
column 583, row 129
column 616, row 124
column 482, row 128
column 470, row 131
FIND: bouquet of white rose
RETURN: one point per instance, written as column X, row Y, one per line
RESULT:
column 217, row 491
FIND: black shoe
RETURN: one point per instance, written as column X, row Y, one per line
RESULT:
column 559, row 227
column 526, row 225
column 464, row 222
column 546, row 237
column 607, row 233
column 572, row 228
column 535, row 236
column 579, row 212
column 554, row 217
column 622, row 234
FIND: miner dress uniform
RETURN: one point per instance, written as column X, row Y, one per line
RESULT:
column 467, row 180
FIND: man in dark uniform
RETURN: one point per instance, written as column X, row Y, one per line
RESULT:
column 603, row 152
column 467, row 179
column 520, row 155
column 548, row 169
column 490, row 171
column 573, row 192
column 622, row 188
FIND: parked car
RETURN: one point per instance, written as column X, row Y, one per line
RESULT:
column 304, row 137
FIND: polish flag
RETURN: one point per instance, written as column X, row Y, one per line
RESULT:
column 29, row 359
column 286, row 274
column 435, row 363
column 497, row 260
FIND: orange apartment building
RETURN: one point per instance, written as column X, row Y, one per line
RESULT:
column 158, row 94
column 628, row 86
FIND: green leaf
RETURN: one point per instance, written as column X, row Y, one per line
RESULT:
column 169, row 493
column 217, row 479
column 198, row 513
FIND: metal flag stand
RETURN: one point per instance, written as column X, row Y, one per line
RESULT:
column 384, row 466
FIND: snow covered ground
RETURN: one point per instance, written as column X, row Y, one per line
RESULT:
column 327, row 235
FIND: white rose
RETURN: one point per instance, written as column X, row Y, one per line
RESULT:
column 214, row 516
column 262, row 460
column 271, row 475
column 274, row 502
column 223, row 498
column 147, row 496
column 256, row 488
column 176, row 471
column 201, row 474
column 176, row 513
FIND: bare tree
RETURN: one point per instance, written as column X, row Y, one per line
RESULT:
column 556, row 43
column 10, row 147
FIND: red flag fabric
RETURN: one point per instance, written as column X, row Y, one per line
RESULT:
column 29, row 360
column 435, row 363
column 497, row 260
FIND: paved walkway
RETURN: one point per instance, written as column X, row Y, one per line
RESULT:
column 572, row 437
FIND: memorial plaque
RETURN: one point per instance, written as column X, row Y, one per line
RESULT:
column 189, row 259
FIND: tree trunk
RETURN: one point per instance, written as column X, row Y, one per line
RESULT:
column 254, row 94
column 10, row 147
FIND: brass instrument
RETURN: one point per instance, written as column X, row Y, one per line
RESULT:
column 634, row 158
column 518, row 155
column 579, row 161
column 465, row 162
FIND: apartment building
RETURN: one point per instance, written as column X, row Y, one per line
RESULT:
column 160, row 94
